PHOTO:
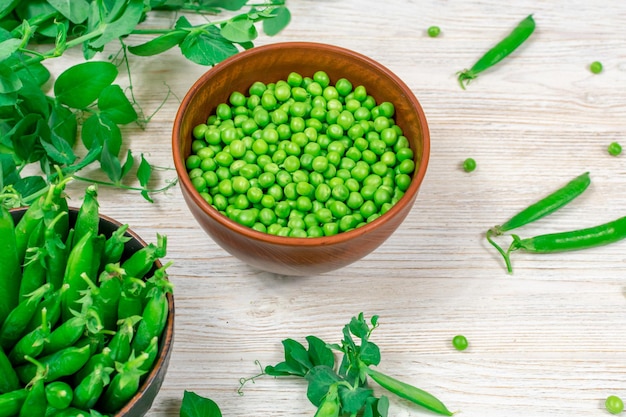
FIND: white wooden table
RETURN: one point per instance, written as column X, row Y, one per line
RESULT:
column 548, row 340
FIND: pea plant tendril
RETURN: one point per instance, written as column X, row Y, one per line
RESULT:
column 78, row 124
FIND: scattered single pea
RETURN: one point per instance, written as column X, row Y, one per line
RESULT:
column 595, row 67
column 460, row 342
column 614, row 404
column 434, row 31
column 469, row 165
column 614, row 148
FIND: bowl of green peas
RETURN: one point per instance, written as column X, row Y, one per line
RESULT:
column 300, row 158
column 87, row 316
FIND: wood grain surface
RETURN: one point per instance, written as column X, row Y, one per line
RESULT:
column 548, row 340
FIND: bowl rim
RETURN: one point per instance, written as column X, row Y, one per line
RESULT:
column 407, row 198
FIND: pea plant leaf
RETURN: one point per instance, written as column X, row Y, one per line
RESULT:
column 319, row 352
column 9, row 81
column 81, row 84
column 9, row 47
column 231, row 5
column 8, row 169
column 239, row 29
column 281, row 18
column 29, row 185
column 110, row 164
column 62, row 122
column 207, row 47
column 59, row 150
column 7, row 6
column 320, row 378
column 376, row 407
column 159, row 44
column 100, row 130
column 122, row 26
column 114, row 103
column 352, row 400
column 74, row 10
column 128, row 163
column 194, row 405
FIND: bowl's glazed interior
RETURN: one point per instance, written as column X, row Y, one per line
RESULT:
column 270, row 63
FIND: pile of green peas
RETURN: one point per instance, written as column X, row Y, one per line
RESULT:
column 301, row 157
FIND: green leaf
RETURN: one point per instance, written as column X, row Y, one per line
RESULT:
column 26, row 135
column 352, row 400
column 81, row 84
column 100, row 130
column 182, row 23
column 359, row 327
column 319, row 353
column 8, row 99
column 7, row 6
column 62, row 122
column 144, row 172
column 29, row 185
column 159, row 44
column 369, row 353
column 9, row 47
column 33, row 100
column 122, row 26
column 59, row 150
column 9, row 81
column 376, row 407
column 320, row 378
column 194, row 405
column 90, row 158
column 232, row 5
column 114, row 103
column 281, row 19
column 74, row 10
column 239, row 29
column 128, row 164
column 8, row 169
column 35, row 73
column 207, row 47
column 110, row 164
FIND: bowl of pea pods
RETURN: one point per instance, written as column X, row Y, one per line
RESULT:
column 300, row 158
column 87, row 315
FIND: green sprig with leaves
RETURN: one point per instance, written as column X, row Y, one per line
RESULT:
column 342, row 389
column 41, row 128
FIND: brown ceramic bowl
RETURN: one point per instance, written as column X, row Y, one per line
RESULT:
column 139, row 405
column 291, row 255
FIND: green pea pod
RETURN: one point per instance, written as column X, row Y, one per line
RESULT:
column 105, row 297
column 131, row 300
column 142, row 261
column 34, row 272
column 60, row 364
column 11, row 402
column 59, row 394
column 157, row 280
column 88, row 391
column 83, row 259
column 10, row 273
column 153, row 351
column 70, row 412
column 52, row 303
column 87, row 219
column 14, row 326
column 65, row 335
column 408, row 392
column 57, row 252
column 25, row 226
column 500, row 51
column 120, row 343
column 114, row 246
column 329, row 407
column 8, row 378
column 102, row 359
column 154, row 320
column 35, row 404
column 124, row 384
column 32, row 343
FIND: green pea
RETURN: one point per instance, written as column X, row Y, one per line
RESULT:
column 406, row 167
column 355, row 200
column 314, row 89
column 596, row 67
column 282, row 209
column 614, row 404
column 614, row 148
column 193, row 161
column 403, row 181
column 433, row 31
column 460, row 342
column 294, row 79
column 469, row 165
column 257, row 88
column 382, row 196
column 330, row 229
column 223, row 111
